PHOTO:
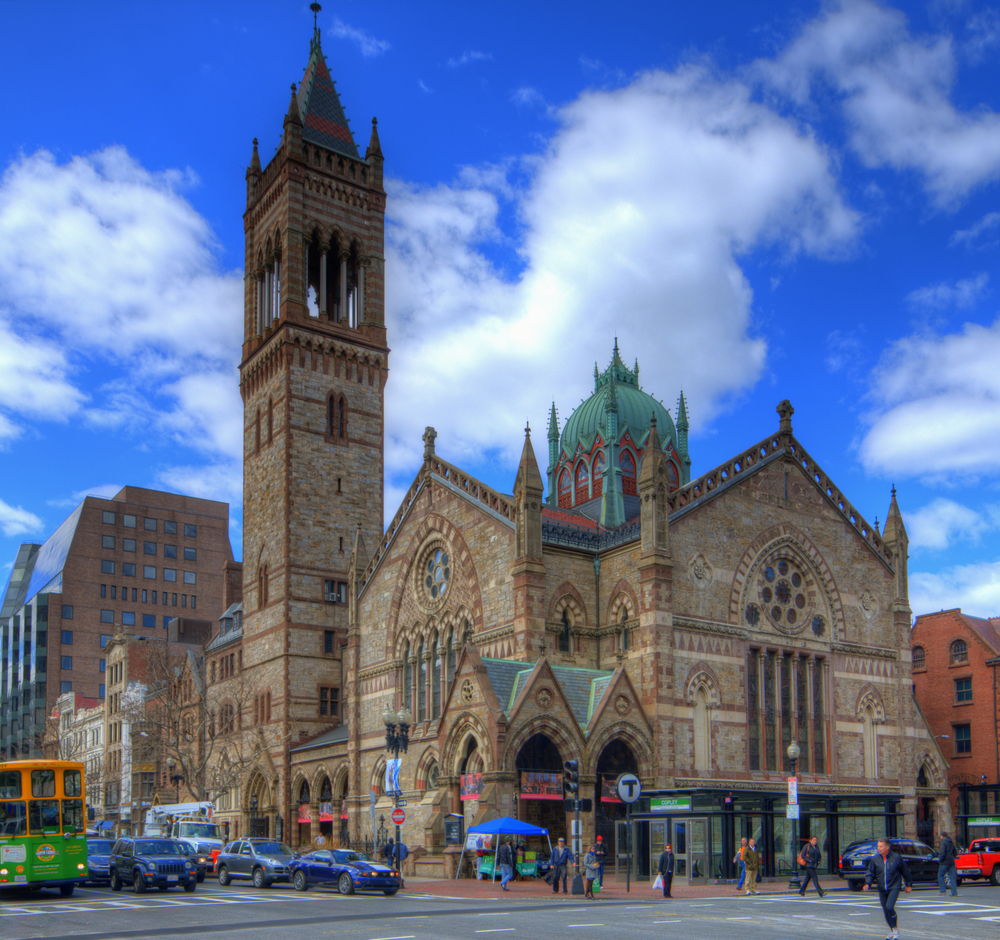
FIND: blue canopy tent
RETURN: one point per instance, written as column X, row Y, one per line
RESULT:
column 504, row 826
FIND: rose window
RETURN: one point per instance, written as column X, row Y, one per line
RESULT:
column 438, row 575
column 787, row 595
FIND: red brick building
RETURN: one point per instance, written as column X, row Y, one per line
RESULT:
column 955, row 662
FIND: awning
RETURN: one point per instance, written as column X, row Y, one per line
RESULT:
column 105, row 824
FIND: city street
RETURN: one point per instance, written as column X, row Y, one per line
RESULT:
column 421, row 915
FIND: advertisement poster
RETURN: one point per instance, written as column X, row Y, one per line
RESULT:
column 304, row 814
column 538, row 785
column 326, row 812
column 471, row 786
column 392, row 774
column 608, row 792
column 474, row 843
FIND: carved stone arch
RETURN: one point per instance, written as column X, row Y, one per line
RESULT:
column 278, row 241
column 339, row 778
column 622, row 595
column 377, row 781
column 428, row 757
column 702, row 676
column 317, row 780
column 467, row 726
column 259, row 784
column 869, row 697
column 567, row 597
column 638, row 740
column 937, row 775
column 297, row 782
column 786, row 539
column 567, row 739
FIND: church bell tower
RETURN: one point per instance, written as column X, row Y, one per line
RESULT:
column 312, row 379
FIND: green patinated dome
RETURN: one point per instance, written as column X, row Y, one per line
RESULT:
column 617, row 387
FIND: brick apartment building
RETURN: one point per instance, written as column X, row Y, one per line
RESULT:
column 129, row 565
column 956, row 660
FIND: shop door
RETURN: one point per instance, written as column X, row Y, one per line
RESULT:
column 691, row 849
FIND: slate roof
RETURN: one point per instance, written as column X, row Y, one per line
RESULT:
column 334, row 736
column 323, row 119
column 583, row 688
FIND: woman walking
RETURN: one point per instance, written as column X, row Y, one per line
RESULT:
column 591, row 866
column 739, row 861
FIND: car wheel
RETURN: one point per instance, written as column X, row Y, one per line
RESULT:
column 223, row 875
column 201, row 877
column 995, row 876
column 299, row 881
column 259, row 881
column 190, row 886
column 345, row 885
column 66, row 890
column 854, row 885
column 138, row 882
column 116, row 884
column 389, row 891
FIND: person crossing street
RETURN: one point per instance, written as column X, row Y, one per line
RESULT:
column 888, row 871
column 812, row 855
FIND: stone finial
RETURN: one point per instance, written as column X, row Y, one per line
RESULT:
column 429, row 435
column 785, row 410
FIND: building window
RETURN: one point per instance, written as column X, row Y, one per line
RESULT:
column 128, row 619
column 189, row 577
column 328, row 636
column 128, row 545
column 190, row 554
column 128, row 570
column 963, row 690
column 169, row 574
column 114, row 592
column 108, row 541
column 128, row 521
column 108, row 518
column 149, row 572
column 194, row 600
column 67, row 611
column 107, row 567
column 149, row 548
column 100, row 690
column 105, row 639
column 335, row 592
column 564, row 632
column 104, row 665
column 67, row 637
column 919, row 658
column 963, row 739
column 169, row 551
column 329, row 701
column 149, row 524
column 166, row 620
column 190, row 531
column 104, row 590
column 66, row 662
column 147, row 786
column 170, row 528
column 149, row 620
column 65, row 687
column 959, row 652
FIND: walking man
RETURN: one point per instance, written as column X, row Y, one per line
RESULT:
column 602, row 854
column 560, row 864
column 888, row 871
column 666, row 869
column 812, row 856
column 751, row 859
column 505, row 859
column 947, row 872
column 739, row 861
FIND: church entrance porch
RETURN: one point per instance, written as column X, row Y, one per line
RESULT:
column 539, row 768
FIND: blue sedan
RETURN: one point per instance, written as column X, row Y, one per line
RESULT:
column 98, row 859
column 349, row 871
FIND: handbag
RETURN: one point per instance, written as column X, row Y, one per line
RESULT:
column 659, row 882
column 550, row 876
column 802, row 861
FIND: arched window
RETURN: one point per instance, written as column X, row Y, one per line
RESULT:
column 598, row 486
column 407, row 680
column 702, row 731
column 959, row 652
column 565, row 490
column 304, row 792
column 431, row 777
column 270, row 420
column 625, row 632
column 262, row 586
column 919, row 658
column 422, row 687
column 870, row 737
column 341, row 419
column 331, row 417
column 450, row 670
column 582, row 482
column 256, row 434
column 627, row 462
column 435, row 680
column 564, row 633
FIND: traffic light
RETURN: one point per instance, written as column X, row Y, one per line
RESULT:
column 571, row 778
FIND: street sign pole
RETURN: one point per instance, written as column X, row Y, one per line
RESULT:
column 629, row 789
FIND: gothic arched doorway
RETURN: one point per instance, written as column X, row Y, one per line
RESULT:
column 925, row 808
column 544, row 807
column 616, row 758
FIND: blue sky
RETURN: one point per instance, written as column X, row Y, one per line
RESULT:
column 761, row 201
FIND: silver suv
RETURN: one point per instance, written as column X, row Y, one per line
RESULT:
column 263, row 861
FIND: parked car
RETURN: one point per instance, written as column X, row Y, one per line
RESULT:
column 349, row 871
column 147, row 863
column 920, row 859
column 98, row 858
column 263, row 861
column 981, row 861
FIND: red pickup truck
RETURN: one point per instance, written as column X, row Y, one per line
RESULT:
column 981, row 861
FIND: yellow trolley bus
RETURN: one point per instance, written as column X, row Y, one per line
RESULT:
column 43, row 840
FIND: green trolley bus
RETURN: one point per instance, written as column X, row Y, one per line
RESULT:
column 43, row 841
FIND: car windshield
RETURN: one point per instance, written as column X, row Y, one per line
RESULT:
column 99, row 848
column 199, row 830
column 271, row 848
column 347, row 857
column 160, row 847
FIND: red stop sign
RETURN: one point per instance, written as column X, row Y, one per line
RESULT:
column 399, row 816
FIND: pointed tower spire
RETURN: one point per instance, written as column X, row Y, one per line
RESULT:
column 597, row 376
column 682, row 439
column 897, row 541
column 528, row 500
column 550, row 499
column 654, row 510
column 293, row 125
column 253, row 174
column 373, row 156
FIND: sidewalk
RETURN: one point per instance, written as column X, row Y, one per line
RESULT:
column 536, row 889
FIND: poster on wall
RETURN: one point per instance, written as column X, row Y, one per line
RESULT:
column 608, row 792
column 471, row 786
column 477, row 843
column 537, row 785
column 326, row 812
column 304, row 815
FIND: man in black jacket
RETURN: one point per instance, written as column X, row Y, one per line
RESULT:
column 666, row 869
column 947, row 872
column 887, row 869
column 812, row 856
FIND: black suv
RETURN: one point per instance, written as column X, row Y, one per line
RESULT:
column 921, row 860
column 148, row 863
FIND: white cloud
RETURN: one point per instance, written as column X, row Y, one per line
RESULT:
column 895, row 92
column 528, row 97
column 15, row 520
column 936, row 406
column 975, row 588
column 470, row 55
column 633, row 224
column 102, row 491
column 942, row 522
column 369, row 45
column 962, row 294
column 970, row 236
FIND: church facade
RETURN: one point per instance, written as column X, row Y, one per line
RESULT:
column 614, row 611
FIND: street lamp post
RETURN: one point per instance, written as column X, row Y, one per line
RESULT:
column 175, row 778
column 793, row 755
column 397, row 738
column 253, row 814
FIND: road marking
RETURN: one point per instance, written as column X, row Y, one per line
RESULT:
column 585, row 925
column 407, row 937
column 739, row 918
column 496, row 930
column 666, row 921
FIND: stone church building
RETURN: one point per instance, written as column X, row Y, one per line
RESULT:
column 612, row 610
